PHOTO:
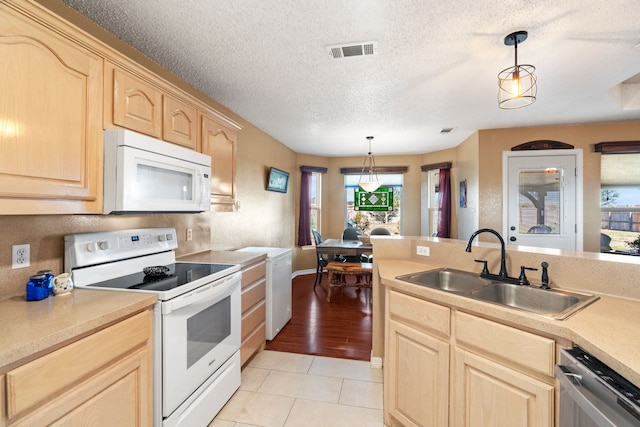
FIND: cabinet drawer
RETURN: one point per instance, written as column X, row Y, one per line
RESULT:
column 534, row 353
column 253, row 273
column 419, row 314
column 56, row 373
column 254, row 342
column 252, row 319
column 253, row 294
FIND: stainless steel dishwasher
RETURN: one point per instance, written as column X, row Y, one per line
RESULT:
column 594, row 395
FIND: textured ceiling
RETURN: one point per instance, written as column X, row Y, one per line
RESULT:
column 436, row 64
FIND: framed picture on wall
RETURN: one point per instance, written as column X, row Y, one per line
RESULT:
column 463, row 193
column 278, row 180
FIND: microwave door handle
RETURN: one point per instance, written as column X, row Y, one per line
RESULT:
column 202, row 194
column 205, row 190
column 200, row 180
column 571, row 382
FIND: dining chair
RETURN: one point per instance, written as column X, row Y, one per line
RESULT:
column 350, row 233
column 322, row 261
column 379, row 231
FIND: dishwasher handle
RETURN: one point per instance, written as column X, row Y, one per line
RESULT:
column 572, row 383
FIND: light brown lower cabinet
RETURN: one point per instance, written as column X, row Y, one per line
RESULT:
column 104, row 379
column 444, row 367
column 253, row 326
column 419, row 389
column 491, row 394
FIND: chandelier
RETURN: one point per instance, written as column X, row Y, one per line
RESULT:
column 369, row 182
column 518, row 86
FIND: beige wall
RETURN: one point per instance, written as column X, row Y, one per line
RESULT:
column 493, row 142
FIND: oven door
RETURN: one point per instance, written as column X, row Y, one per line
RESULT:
column 200, row 331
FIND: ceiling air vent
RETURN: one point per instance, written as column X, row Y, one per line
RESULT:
column 353, row 49
column 446, row 130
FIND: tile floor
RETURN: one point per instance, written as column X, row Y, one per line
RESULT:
column 289, row 390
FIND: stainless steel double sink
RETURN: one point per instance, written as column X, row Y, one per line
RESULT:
column 554, row 303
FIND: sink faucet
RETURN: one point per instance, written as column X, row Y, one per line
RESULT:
column 503, row 263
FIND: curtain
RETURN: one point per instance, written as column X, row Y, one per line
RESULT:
column 444, row 208
column 304, row 221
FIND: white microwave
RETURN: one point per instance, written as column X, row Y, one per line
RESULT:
column 145, row 175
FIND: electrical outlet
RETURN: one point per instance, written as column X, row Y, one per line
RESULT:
column 422, row 250
column 20, row 256
column 189, row 234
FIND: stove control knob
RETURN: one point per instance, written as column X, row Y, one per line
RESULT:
column 162, row 237
column 169, row 237
column 92, row 247
column 104, row 245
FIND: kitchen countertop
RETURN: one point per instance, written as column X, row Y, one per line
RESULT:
column 33, row 328
column 225, row 257
column 607, row 328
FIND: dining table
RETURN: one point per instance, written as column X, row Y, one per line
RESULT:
column 344, row 247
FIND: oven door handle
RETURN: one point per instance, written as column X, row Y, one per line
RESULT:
column 571, row 383
column 201, row 296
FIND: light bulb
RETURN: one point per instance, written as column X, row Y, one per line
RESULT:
column 516, row 89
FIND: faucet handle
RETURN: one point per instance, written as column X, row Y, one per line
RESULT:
column 523, row 277
column 485, row 269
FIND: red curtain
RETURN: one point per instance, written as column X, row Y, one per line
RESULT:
column 304, row 227
column 444, row 207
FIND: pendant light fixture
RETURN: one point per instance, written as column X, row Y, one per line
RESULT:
column 518, row 86
column 370, row 182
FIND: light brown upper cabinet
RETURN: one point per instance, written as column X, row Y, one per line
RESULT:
column 50, row 120
column 179, row 122
column 219, row 142
column 132, row 103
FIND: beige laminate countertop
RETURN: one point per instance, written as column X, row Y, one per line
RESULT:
column 225, row 257
column 608, row 328
column 33, row 328
column 30, row 329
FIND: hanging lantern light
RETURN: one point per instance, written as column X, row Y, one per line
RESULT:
column 517, row 85
column 369, row 182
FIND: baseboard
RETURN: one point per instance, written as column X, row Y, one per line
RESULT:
column 301, row 272
column 376, row 362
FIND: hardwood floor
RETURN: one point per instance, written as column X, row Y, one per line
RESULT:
column 340, row 328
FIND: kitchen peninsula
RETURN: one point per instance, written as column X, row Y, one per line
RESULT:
column 463, row 333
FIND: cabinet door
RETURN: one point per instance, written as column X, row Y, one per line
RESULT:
column 136, row 105
column 179, row 122
column 219, row 142
column 489, row 394
column 67, row 379
column 417, row 383
column 50, row 121
column 115, row 397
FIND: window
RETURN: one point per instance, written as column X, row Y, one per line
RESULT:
column 368, row 220
column 316, row 196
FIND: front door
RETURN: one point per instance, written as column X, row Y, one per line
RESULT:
column 543, row 198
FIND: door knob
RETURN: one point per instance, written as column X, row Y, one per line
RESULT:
column 513, row 238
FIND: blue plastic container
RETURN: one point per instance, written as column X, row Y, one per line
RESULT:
column 49, row 279
column 37, row 287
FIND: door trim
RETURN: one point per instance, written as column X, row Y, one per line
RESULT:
column 506, row 155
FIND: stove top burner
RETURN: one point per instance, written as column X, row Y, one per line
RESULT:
column 179, row 274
